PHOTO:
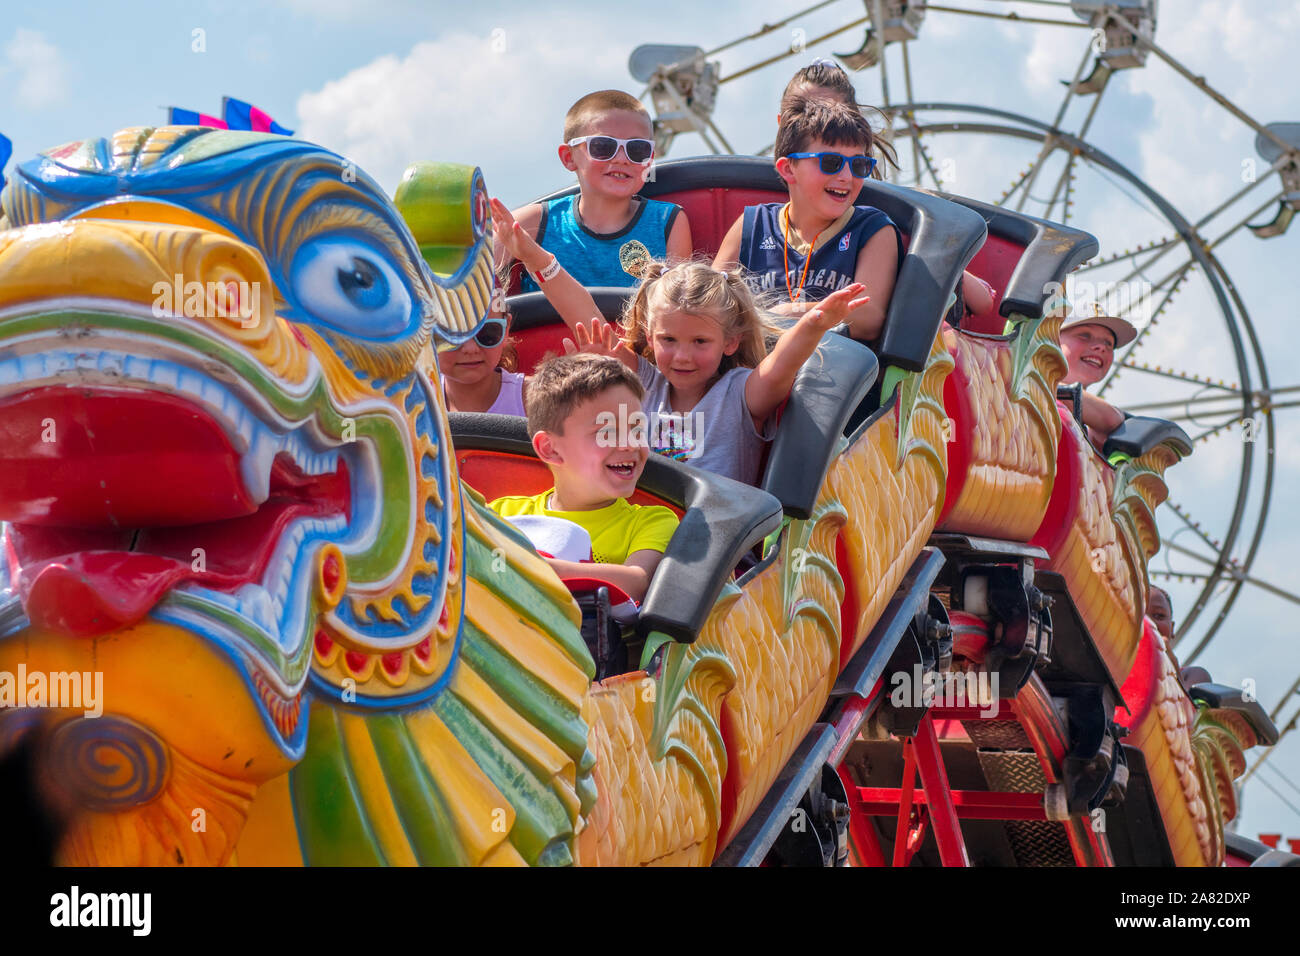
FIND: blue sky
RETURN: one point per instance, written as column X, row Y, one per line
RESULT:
column 388, row 82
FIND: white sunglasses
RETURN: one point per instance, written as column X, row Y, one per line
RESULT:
column 604, row 148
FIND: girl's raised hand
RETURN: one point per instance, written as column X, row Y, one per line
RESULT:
column 597, row 337
column 834, row 309
column 514, row 238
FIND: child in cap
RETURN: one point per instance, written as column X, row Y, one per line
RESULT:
column 1089, row 338
column 605, row 234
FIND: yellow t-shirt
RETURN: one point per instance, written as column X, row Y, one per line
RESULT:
column 616, row 531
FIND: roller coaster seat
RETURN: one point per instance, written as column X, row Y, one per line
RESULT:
column 1022, row 258
column 1136, row 436
column 721, row 520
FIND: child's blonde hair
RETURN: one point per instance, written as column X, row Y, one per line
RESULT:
column 697, row 288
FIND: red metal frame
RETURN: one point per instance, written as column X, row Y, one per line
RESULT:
column 969, row 804
column 918, row 809
column 934, row 780
column 933, row 804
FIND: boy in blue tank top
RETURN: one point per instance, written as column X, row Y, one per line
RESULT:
column 604, row 234
column 801, row 251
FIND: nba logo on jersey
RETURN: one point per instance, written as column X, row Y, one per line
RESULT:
column 844, row 242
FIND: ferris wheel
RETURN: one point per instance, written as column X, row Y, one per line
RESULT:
column 1197, row 359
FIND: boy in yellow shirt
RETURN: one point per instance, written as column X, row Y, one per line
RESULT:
column 578, row 407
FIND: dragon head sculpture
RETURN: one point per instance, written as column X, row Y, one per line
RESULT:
column 226, row 484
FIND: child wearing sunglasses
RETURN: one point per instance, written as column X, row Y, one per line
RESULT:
column 819, row 242
column 480, row 375
column 825, row 80
column 605, row 234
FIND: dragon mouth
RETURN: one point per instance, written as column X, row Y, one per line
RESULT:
column 117, row 496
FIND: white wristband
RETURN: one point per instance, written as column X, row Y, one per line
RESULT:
column 550, row 272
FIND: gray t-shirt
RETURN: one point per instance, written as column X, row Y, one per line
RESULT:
column 717, row 435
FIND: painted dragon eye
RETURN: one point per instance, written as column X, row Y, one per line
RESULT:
column 345, row 284
column 364, row 284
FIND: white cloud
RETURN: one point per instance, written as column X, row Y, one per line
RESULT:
column 42, row 73
column 495, row 100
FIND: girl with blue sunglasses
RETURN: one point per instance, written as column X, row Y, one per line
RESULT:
column 480, row 375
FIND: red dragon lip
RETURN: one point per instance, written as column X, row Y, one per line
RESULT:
column 136, row 493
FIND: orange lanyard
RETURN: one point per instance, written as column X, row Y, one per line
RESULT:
column 785, row 259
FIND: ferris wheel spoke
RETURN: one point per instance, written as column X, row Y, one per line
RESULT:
column 1123, row 361
column 1233, row 570
column 1067, row 177
column 1209, row 246
column 768, row 28
column 1185, row 516
column 792, row 52
column 1227, row 395
column 1230, row 422
column 910, row 117
column 1013, row 17
column 1050, row 140
column 1139, row 249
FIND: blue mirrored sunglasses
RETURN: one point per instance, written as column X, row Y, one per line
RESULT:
column 832, row 163
column 491, row 333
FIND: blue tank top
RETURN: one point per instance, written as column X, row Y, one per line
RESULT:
column 833, row 264
column 596, row 259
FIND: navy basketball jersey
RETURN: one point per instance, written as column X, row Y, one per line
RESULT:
column 764, row 255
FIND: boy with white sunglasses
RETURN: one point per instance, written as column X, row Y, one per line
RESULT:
column 605, row 234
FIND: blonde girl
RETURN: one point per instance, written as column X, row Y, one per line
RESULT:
column 696, row 339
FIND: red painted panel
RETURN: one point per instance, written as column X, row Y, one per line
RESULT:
column 1139, row 688
column 956, row 404
column 994, row 263
column 533, row 344
column 1066, row 490
column 712, row 211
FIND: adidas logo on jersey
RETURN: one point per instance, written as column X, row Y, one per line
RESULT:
column 767, row 243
